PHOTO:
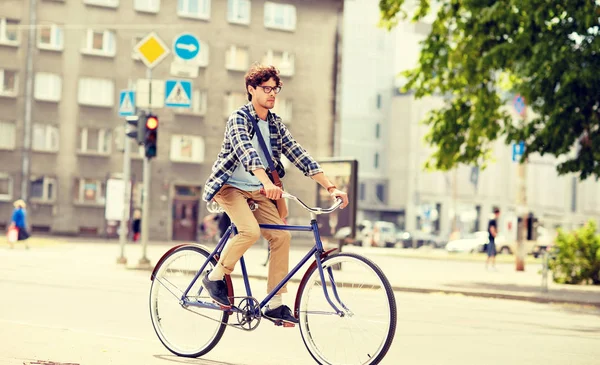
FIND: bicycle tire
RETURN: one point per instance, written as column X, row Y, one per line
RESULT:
column 305, row 330
column 154, row 307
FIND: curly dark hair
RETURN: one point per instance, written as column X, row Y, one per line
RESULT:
column 257, row 74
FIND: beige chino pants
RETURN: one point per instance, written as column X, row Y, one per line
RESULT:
column 234, row 202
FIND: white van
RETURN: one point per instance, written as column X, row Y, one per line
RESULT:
column 378, row 234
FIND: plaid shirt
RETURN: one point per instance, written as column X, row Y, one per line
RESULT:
column 237, row 148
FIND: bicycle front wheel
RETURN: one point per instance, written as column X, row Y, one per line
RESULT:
column 187, row 331
column 364, row 332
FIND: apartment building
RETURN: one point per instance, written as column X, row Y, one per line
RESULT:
column 381, row 127
column 82, row 56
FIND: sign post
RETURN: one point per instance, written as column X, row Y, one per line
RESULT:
column 152, row 51
column 518, row 151
column 126, row 109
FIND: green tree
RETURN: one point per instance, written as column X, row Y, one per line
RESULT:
column 479, row 51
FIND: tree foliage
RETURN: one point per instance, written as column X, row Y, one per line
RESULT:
column 481, row 51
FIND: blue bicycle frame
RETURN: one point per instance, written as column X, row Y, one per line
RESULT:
column 316, row 251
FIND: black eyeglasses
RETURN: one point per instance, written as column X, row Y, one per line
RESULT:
column 268, row 89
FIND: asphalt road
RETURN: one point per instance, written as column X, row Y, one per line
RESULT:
column 64, row 304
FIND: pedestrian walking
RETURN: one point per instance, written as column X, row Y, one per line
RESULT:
column 136, row 226
column 492, row 233
column 19, row 222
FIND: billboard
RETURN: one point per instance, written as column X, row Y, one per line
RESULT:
column 343, row 174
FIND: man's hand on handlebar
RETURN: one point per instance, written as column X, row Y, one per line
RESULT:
column 336, row 193
column 271, row 191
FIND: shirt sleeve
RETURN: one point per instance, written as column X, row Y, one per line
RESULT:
column 297, row 154
column 238, row 135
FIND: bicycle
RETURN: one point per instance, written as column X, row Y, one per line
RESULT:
column 189, row 324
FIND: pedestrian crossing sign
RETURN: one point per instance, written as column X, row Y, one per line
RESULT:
column 178, row 94
column 127, row 103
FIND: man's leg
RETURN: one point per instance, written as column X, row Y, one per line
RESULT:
column 234, row 202
column 279, row 244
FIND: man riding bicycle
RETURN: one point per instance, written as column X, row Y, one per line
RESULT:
column 239, row 174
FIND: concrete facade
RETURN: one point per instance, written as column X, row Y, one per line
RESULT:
column 66, row 207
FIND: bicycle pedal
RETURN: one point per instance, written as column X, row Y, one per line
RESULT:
column 284, row 324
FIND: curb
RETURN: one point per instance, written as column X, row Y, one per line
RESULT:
column 468, row 293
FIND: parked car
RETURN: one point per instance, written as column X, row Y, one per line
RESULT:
column 378, row 234
column 473, row 242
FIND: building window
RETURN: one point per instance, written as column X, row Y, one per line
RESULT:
column 238, row 11
column 6, row 187
column 7, row 136
column 284, row 61
column 8, row 83
column 105, row 3
column 100, row 43
column 95, row 141
column 45, row 138
column 376, row 162
column 43, row 188
column 378, row 101
column 283, row 108
column 48, row 87
column 362, row 191
column 234, row 101
column 199, row 9
column 237, row 58
column 50, row 37
column 280, row 16
column 377, row 130
column 187, row 149
column 380, row 192
column 9, row 33
column 147, row 6
column 89, row 191
column 96, row 92
column 199, row 104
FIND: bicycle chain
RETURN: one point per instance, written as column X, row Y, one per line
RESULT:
column 236, row 325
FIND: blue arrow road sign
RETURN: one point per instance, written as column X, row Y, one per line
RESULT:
column 186, row 46
column 178, row 93
column 126, row 103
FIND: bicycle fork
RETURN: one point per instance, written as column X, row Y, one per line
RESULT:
column 341, row 313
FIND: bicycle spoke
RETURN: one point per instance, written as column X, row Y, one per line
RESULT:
column 365, row 331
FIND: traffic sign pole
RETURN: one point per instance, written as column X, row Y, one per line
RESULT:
column 126, row 198
column 152, row 51
column 144, row 261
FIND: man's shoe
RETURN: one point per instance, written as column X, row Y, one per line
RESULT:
column 282, row 313
column 217, row 291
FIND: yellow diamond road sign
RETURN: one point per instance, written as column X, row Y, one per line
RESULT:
column 152, row 50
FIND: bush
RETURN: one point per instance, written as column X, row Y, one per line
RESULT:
column 577, row 257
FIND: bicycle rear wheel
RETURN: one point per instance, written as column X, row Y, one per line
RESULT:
column 365, row 332
column 186, row 331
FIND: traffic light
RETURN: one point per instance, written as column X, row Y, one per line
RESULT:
column 139, row 122
column 151, row 135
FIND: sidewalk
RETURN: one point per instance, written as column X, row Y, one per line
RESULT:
column 429, row 276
